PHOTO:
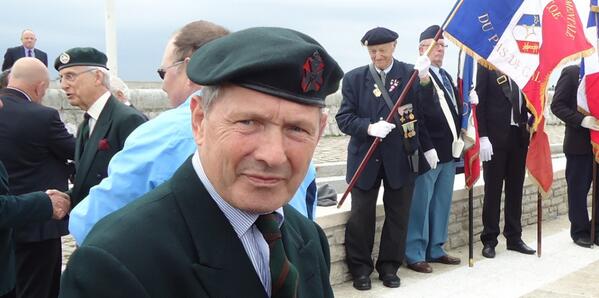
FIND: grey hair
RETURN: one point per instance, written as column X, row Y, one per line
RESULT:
column 105, row 75
column 116, row 84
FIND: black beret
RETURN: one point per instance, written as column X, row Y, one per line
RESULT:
column 80, row 57
column 430, row 32
column 276, row 61
column 378, row 35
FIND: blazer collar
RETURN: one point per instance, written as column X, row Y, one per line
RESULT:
column 220, row 254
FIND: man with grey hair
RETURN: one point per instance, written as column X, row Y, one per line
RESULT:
column 120, row 90
column 107, row 122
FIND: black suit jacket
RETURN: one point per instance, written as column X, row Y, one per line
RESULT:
column 176, row 242
column 115, row 123
column 16, row 211
column 438, row 134
column 13, row 54
column 494, row 111
column 34, row 146
column 360, row 107
column 577, row 139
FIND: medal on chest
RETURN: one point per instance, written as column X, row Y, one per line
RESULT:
column 376, row 91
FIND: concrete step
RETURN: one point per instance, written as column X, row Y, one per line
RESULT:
column 328, row 169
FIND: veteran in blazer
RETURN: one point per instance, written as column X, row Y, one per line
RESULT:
column 35, row 147
column 504, row 137
column 27, row 49
column 221, row 226
column 395, row 162
column 441, row 115
column 107, row 122
column 579, row 154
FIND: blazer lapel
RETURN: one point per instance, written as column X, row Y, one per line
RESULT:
column 454, row 114
column 100, row 131
column 298, row 251
column 223, row 267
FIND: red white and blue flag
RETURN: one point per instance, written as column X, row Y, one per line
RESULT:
column 526, row 40
column 588, row 90
column 469, row 122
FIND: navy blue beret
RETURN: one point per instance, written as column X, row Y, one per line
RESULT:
column 430, row 32
column 378, row 35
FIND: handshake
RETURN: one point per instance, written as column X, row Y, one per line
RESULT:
column 61, row 203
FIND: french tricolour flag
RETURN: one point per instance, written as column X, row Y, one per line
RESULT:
column 588, row 90
column 526, row 40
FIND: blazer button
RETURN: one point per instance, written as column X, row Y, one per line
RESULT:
column 377, row 160
column 99, row 176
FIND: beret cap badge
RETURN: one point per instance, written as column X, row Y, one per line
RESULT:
column 64, row 58
column 312, row 73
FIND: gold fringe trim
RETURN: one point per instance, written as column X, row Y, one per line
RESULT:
column 544, row 194
column 595, row 151
column 470, row 163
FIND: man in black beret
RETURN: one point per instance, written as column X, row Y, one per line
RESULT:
column 369, row 93
column 221, row 226
column 441, row 145
column 107, row 122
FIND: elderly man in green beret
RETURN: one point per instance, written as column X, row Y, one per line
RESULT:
column 107, row 122
column 221, row 226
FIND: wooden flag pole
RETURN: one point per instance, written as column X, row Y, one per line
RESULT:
column 470, row 227
column 539, row 222
column 593, row 202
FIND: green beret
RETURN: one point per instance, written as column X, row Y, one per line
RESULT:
column 80, row 57
column 276, row 61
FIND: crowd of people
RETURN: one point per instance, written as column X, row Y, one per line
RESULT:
column 221, row 187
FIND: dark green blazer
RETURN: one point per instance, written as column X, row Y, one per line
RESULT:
column 115, row 123
column 176, row 242
column 16, row 211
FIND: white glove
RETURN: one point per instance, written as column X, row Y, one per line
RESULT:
column 590, row 122
column 432, row 158
column 380, row 129
column 486, row 149
column 423, row 63
column 473, row 97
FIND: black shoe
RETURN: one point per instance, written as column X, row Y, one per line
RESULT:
column 584, row 241
column 521, row 247
column 596, row 240
column 390, row 280
column 488, row 251
column 362, row 282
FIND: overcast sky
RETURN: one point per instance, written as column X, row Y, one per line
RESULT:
column 144, row 27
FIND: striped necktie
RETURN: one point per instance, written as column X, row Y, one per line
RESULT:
column 29, row 54
column 284, row 276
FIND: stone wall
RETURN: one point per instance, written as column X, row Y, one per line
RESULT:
column 333, row 223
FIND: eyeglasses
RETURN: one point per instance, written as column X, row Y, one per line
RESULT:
column 162, row 71
column 71, row 76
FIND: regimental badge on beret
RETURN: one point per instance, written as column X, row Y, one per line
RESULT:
column 312, row 73
column 64, row 58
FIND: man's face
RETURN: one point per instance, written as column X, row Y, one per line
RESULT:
column 255, row 148
column 80, row 85
column 382, row 54
column 28, row 39
column 175, row 82
column 437, row 52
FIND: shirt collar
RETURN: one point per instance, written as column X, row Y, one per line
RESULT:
column 23, row 92
column 436, row 70
column 388, row 69
column 240, row 220
column 186, row 103
column 97, row 107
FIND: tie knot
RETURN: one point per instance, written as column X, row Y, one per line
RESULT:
column 268, row 225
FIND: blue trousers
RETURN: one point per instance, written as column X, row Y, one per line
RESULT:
column 429, row 213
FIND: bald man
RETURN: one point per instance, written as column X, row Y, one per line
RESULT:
column 34, row 147
column 26, row 49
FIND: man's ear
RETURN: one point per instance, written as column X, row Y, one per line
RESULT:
column 323, row 123
column 198, row 116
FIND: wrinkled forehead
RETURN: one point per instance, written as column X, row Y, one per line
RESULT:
column 28, row 34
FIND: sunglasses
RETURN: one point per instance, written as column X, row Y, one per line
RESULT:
column 162, row 71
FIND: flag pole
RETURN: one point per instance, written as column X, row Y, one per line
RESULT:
column 389, row 118
column 539, row 222
column 470, row 227
column 593, row 202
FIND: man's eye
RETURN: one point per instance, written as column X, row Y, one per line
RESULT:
column 246, row 122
